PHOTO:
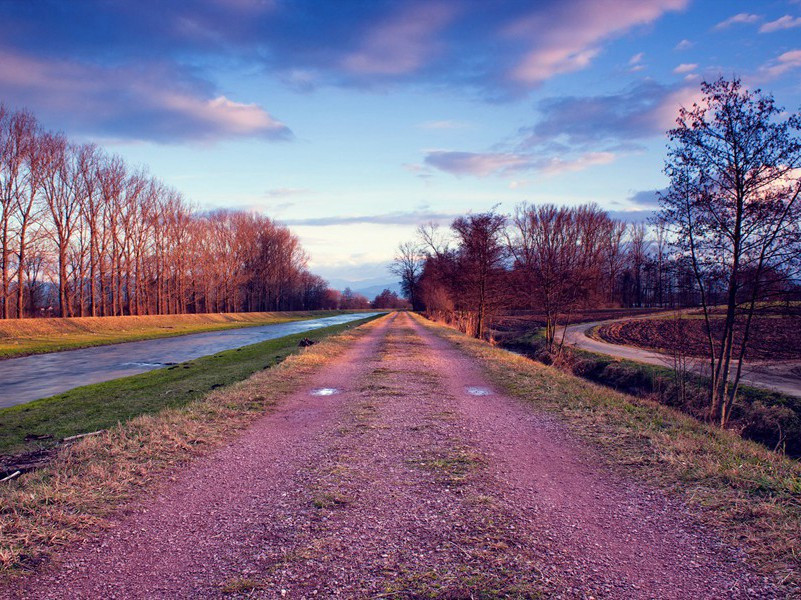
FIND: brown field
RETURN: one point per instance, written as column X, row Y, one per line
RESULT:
column 521, row 322
column 774, row 337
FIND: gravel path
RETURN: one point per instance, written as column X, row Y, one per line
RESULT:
column 402, row 485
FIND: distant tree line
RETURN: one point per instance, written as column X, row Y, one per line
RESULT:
column 84, row 234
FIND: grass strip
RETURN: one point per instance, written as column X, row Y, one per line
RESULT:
column 23, row 337
column 89, row 480
column 103, row 405
column 762, row 415
column 746, row 493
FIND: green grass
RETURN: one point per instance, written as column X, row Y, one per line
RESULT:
column 103, row 405
column 23, row 337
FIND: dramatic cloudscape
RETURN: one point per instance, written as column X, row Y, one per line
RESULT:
column 355, row 121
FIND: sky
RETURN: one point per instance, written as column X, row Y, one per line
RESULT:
column 353, row 122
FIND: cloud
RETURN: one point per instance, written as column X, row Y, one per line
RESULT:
column 402, row 44
column 784, row 62
column 575, row 133
column 557, row 166
column 570, row 35
column 685, row 68
column 286, row 192
column 416, row 217
column 446, row 124
column 154, row 101
column 785, row 22
column 476, row 163
column 498, row 50
column 583, row 122
column 737, row 19
column 637, row 58
column 485, row 164
column 684, row 45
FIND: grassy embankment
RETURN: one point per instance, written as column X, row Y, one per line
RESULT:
column 86, row 481
column 20, row 337
column 767, row 417
column 748, row 494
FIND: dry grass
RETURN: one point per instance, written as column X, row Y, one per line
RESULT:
column 747, row 493
column 87, row 481
column 19, row 337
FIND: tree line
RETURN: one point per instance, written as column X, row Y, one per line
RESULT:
column 553, row 260
column 82, row 233
column 727, row 239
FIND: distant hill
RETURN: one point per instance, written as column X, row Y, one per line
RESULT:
column 366, row 287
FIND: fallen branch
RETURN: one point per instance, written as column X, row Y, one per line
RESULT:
column 14, row 475
column 72, row 438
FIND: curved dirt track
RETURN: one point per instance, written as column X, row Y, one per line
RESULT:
column 779, row 376
column 403, row 485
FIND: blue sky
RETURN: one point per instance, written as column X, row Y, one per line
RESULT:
column 353, row 122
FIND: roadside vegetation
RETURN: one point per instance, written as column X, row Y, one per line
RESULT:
column 21, row 337
column 726, row 242
column 769, row 418
column 746, row 493
column 87, row 480
column 29, row 431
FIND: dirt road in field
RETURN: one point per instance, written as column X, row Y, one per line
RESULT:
column 779, row 376
column 42, row 375
column 416, row 479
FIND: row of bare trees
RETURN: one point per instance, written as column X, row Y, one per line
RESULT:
column 84, row 234
column 543, row 258
column 727, row 239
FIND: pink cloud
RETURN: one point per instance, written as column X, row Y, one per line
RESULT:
column 569, row 37
column 146, row 102
column 739, row 18
column 557, row 166
column 785, row 22
column 685, row 68
column 403, row 44
column 784, row 62
column 477, row 164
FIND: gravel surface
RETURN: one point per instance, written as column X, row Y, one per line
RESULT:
column 402, row 485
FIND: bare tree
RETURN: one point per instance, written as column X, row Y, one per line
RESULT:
column 733, row 211
column 480, row 261
column 408, row 266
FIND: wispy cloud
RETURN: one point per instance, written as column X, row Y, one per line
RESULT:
column 684, row 45
column 446, row 124
column 417, row 217
column 286, row 192
column 557, row 166
column 685, row 68
column 575, row 133
column 403, row 43
column 476, row 163
column 585, row 122
column 785, row 22
column 739, row 18
column 569, row 36
column 783, row 63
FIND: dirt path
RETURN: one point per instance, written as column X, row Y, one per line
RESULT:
column 780, row 376
column 402, row 485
